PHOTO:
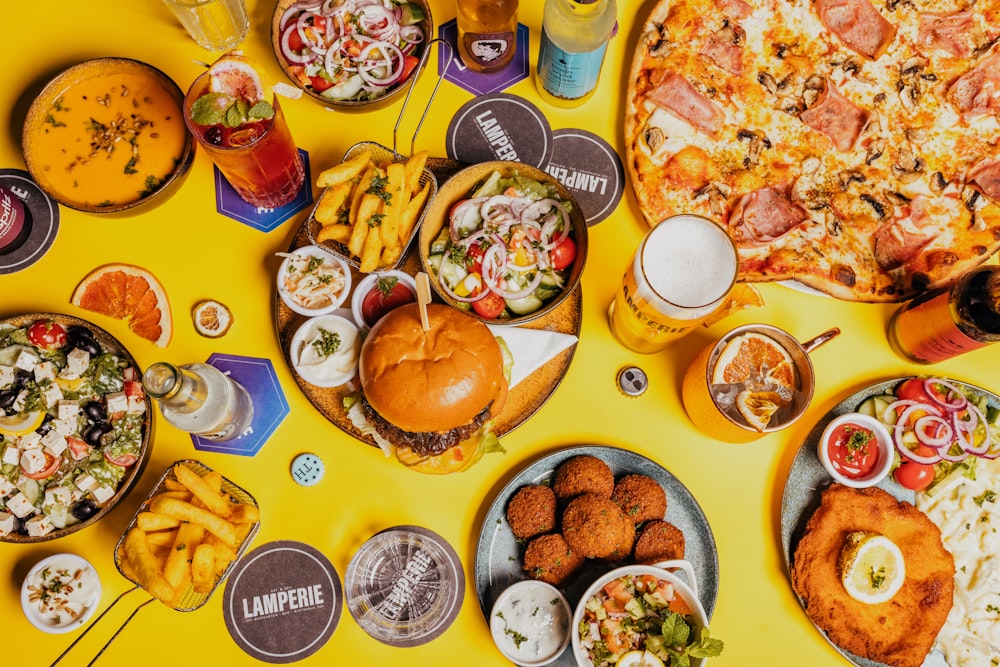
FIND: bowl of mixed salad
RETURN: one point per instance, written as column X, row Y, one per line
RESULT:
column 75, row 425
column 643, row 615
column 503, row 241
column 351, row 54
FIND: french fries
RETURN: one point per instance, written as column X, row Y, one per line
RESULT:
column 371, row 209
column 186, row 536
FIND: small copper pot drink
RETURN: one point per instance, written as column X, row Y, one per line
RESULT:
column 681, row 273
column 712, row 407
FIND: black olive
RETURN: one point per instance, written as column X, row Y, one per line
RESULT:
column 46, row 425
column 77, row 332
column 93, row 434
column 95, row 412
column 214, row 136
column 84, row 509
column 7, row 398
column 22, row 378
column 88, row 345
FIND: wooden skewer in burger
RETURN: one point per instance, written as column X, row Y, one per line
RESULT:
column 433, row 379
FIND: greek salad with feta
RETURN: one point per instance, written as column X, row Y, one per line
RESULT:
column 73, row 418
column 507, row 249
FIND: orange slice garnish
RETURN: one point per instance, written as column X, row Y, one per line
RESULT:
column 755, row 358
column 127, row 292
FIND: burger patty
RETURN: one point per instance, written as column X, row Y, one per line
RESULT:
column 424, row 443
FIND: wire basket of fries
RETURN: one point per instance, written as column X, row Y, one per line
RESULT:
column 187, row 535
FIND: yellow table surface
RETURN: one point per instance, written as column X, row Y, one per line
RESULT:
column 198, row 253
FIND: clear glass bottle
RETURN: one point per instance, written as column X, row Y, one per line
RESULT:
column 200, row 399
column 947, row 323
column 487, row 33
column 575, row 36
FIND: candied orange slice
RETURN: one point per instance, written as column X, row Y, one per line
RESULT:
column 127, row 292
column 212, row 319
column 757, row 407
column 755, row 358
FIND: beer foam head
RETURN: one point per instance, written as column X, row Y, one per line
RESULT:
column 689, row 261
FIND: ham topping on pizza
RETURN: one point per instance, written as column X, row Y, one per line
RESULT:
column 985, row 177
column 676, row 95
column 763, row 216
column 858, row 24
column 735, row 9
column 725, row 49
column 951, row 33
column 977, row 92
column 902, row 238
column 837, row 117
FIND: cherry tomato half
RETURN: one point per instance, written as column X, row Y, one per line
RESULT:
column 123, row 460
column 47, row 335
column 52, row 464
column 914, row 476
column 915, row 389
column 319, row 84
column 490, row 306
column 409, row 64
column 562, row 255
column 77, row 448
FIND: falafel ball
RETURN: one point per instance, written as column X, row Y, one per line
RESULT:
column 641, row 497
column 532, row 511
column 549, row 558
column 595, row 527
column 583, row 474
column 658, row 541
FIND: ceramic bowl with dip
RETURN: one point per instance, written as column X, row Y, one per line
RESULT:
column 856, row 450
column 530, row 623
column 664, row 577
column 325, row 349
column 108, row 136
column 532, row 271
column 60, row 593
column 378, row 293
column 312, row 282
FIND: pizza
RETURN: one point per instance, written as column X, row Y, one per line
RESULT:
column 850, row 146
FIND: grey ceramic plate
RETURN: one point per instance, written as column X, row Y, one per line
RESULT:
column 498, row 555
column 807, row 478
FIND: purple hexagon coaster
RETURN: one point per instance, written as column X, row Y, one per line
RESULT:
column 270, row 406
column 455, row 71
column 228, row 203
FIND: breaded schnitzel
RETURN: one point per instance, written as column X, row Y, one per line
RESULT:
column 899, row 632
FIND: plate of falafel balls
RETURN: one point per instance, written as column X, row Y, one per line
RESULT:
column 575, row 514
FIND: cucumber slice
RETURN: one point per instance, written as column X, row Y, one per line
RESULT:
column 451, row 273
column 441, row 242
column 410, row 14
column 524, row 305
column 867, row 407
column 491, row 186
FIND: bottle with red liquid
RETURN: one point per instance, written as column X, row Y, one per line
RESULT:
column 947, row 323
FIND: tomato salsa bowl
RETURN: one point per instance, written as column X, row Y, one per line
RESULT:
column 856, row 450
column 107, row 136
column 504, row 242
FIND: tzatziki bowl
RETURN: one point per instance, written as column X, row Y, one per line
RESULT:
column 60, row 593
column 530, row 623
column 324, row 350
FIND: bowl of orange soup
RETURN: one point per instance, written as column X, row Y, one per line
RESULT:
column 108, row 136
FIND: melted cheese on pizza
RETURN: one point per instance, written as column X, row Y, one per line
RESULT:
column 835, row 139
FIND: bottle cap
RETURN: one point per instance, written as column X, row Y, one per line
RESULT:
column 307, row 469
column 632, row 381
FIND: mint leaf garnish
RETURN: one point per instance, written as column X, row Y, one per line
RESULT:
column 261, row 110
column 210, row 108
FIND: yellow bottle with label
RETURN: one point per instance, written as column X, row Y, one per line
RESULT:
column 575, row 36
column 487, row 33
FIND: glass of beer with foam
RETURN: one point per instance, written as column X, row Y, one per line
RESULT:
column 683, row 270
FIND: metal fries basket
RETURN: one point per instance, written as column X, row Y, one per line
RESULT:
column 384, row 155
column 191, row 599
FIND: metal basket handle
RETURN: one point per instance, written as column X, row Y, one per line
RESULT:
column 409, row 91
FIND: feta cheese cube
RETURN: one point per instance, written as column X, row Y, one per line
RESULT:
column 20, row 506
column 6, row 375
column 66, row 409
column 102, row 494
column 76, row 363
column 52, row 394
column 26, row 361
column 18, row 406
column 39, row 525
column 11, row 455
column 7, row 523
column 32, row 460
column 6, row 487
column 64, row 427
column 28, row 440
column 54, row 443
column 116, row 402
column 85, row 482
column 136, row 405
column 58, row 495
column 45, row 370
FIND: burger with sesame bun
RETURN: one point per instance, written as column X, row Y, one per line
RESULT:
column 432, row 395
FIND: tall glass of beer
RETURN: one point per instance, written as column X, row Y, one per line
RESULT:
column 682, row 271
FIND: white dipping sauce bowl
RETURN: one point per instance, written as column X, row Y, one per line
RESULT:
column 539, row 613
column 88, row 596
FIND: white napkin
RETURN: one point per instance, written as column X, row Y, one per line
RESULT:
column 531, row 348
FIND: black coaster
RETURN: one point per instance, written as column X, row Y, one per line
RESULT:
column 283, row 602
column 41, row 222
column 589, row 168
column 500, row 127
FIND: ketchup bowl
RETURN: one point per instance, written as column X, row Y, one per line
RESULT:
column 856, row 450
column 380, row 292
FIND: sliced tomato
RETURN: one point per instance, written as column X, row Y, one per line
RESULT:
column 122, row 460
column 47, row 335
column 474, row 258
column 490, row 306
column 913, row 475
column 77, row 448
column 679, row 606
column 562, row 255
column 409, row 64
column 319, row 84
column 134, row 391
column 915, row 389
column 295, row 42
column 52, row 464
